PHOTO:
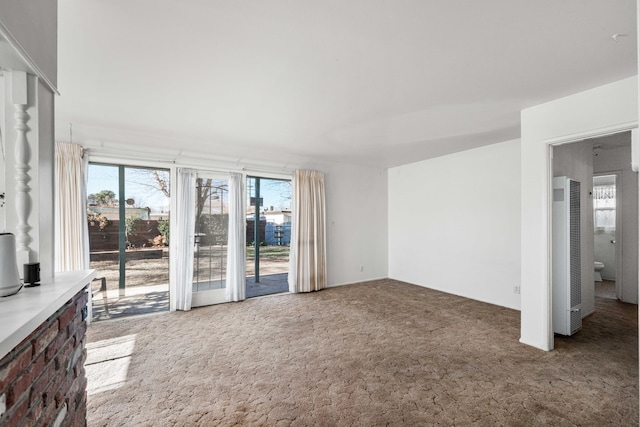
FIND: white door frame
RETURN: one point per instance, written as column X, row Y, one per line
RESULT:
column 211, row 296
column 550, row 143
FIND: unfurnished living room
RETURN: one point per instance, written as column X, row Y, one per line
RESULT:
column 319, row 213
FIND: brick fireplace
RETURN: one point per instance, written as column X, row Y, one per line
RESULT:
column 42, row 380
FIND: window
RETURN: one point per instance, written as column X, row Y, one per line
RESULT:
column 604, row 204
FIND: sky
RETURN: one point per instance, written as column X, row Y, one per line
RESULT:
column 141, row 186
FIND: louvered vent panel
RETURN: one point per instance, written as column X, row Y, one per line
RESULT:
column 574, row 241
column 576, row 321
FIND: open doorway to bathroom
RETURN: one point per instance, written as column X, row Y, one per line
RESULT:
column 608, row 230
column 605, row 236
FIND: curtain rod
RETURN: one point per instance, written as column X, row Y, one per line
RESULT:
column 200, row 163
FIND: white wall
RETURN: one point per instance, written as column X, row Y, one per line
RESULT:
column 602, row 110
column 619, row 159
column 34, row 25
column 576, row 162
column 356, row 223
column 454, row 223
column 43, row 217
column 32, row 29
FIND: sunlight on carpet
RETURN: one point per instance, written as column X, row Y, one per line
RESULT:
column 108, row 362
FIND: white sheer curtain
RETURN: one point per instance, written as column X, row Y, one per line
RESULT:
column 71, row 229
column 604, row 206
column 182, row 242
column 236, row 280
column 307, row 259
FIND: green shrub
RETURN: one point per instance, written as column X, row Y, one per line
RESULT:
column 163, row 229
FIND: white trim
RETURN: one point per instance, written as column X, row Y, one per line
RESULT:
column 3, row 154
column 203, row 164
column 550, row 333
column 209, row 297
column 593, row 133
column 549, row 144
column 116, row 161
column 335, row 285
column 26, row 58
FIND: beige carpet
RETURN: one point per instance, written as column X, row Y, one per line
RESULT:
column 378, row 353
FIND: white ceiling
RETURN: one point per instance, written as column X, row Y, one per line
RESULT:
column 375, row 82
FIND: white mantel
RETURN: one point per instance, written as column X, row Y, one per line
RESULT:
column 22, row 313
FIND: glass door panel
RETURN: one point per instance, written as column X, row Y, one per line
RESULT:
column 268, row 235
column 128, row 218
column 103, row 218
column 146, row 211
column 210, row 242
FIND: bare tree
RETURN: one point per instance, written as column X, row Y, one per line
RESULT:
column 203, row 191
column 154, row 179
column 162, row 181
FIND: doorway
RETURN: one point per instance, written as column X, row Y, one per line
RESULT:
column 606, row 195
column 210, row 240
column 603, row 165
column 268, row 235
column 128, row 223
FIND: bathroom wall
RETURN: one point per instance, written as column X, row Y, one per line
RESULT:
column 619, row 159
column 575, row 161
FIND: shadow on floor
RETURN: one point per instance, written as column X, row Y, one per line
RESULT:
column 152, row 302
column 269, row 284
column 155, row 302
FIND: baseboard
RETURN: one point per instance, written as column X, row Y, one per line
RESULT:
column 354, row 283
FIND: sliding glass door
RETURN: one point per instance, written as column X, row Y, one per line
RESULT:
column 268, row 235
column 128, row 218
column 210, row 242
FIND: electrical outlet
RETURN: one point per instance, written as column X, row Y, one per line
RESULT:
column 516, row 289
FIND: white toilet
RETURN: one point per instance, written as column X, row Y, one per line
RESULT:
column 598, row 267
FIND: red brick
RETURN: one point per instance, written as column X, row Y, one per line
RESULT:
column 35, row 412
column 81, row 414
column 41, row 383
column 45, row 338
column 13, row 368
column 78, row 330
column 81, row 419
column 15, row 414
column 61, row 394
column 67, row 317
column 36, row 378
column 55, row 346
column 22, row 384
column 78, row 388
column 78, row 368
column 81, row 332
column 59, row 378
column 65, row 355
column 48, row 415
column 29, row 421
column 81, row 301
